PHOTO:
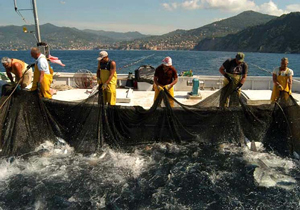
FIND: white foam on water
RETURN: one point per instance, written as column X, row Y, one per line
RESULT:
column 39, row 204
column 133, row 162
column 37, row 161
column 7, row 170
column 271, row 170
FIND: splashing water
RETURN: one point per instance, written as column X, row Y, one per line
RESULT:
column 158, row 176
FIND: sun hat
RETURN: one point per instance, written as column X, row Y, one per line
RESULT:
column 240, row 57
column 102, row 55
column 167, row 61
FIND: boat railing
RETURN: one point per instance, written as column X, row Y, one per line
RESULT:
column 184, row 82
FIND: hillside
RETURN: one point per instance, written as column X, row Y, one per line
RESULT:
column 117, row 36
column 280, row 35
column 12, row 37
column 187, row 39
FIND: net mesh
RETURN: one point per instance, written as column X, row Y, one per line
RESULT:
column 27, row 120
column 145, row 73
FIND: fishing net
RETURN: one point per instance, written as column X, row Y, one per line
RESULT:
column 283, row 134
column 84, row 79
column 27, row 120
column 145, row 73
column 23, row 122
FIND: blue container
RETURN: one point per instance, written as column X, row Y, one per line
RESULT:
column 195, row 87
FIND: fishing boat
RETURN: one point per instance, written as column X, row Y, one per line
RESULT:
column 60, row 153
column 80, row 118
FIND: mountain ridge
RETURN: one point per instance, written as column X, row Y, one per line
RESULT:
column 279, row 35
column 188, row 39
column 13, row 37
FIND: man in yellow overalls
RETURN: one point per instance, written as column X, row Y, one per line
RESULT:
column 235, row 72
column 18, row 68
column 165, row 77
column 282, row 79
column 107, row 77
column 43, row 74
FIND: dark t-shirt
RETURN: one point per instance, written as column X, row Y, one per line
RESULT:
column 105, row 66
column 165, row 74
column 232, row 67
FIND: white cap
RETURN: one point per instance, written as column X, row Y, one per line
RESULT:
column 167, row 61
column 102, row 55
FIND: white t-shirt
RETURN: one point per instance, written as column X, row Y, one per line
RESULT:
column 287, row 72
column 42, row 64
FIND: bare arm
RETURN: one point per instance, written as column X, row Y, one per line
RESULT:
column 174, row 82
column 175, row 77
column 221, row 70
column 275, row 80
column 18, row 72
column 98, row 70
column 243, row 80
column 290, row 82
column 112, row 71
column 156, row 81
column 9, row 75
column 41, row 76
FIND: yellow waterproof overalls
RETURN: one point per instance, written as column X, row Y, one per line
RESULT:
column 230, row 97
column 45, row 84
column 170, row 91
column 283, row 81
column 109, row 94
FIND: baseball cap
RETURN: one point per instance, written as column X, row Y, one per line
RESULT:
column 240, row 56
column 102, row 55
column 167, row 61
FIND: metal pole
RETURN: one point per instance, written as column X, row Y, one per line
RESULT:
column 36, row 20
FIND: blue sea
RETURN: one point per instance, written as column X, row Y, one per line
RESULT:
column 202, row 63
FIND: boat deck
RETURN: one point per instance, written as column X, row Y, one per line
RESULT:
column 129, row 97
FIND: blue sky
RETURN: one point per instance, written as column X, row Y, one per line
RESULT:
column 146, row 16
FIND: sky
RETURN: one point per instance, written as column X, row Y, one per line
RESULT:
column 153, row 17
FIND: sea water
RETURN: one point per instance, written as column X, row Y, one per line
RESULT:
column 202, row 63
column 157, row 176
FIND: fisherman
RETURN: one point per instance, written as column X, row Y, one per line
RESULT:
column 165, row 77
column 282, row 79
column 235, row 71
column 18, row 68
column 43, row 74
column 107, row 78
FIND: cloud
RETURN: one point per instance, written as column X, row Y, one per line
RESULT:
column 170, row 7
column 193, row 4
column 232, row 6
column 270, row 8
column 229, row 5
column 62, row 2
column 190, row 5
column 293, row 8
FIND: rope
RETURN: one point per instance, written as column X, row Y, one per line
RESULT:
column 268, row 71
column 135, row 62
column 19, row 13
column 287, row 122
column 262, row 69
